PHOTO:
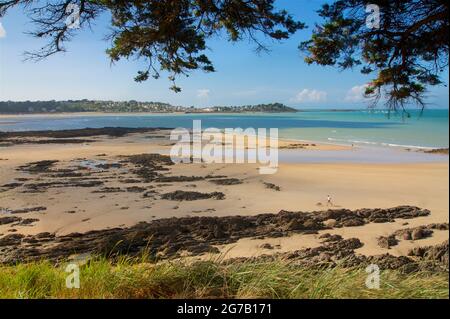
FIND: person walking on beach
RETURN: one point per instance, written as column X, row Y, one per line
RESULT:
column 329, row 202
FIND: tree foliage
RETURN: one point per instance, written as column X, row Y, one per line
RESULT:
column 407, row 51
column 169, row 35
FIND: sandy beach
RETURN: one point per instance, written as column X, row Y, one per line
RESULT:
column 117, row 198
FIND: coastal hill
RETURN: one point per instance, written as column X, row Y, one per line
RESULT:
column 71, row 106
column 262, row 108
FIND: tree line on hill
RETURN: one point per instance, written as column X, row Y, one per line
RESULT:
column 72, row 106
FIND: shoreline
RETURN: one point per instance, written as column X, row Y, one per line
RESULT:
column 284, row 143
column 328, row 141
column 78, row 114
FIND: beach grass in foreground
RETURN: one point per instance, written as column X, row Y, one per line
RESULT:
column 127, row 278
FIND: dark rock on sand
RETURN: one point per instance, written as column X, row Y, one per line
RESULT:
column 168, row 237
column 150, row 194
column 136, row 189
column 155, row 161
column 26, row 222
column 130, row 181
column 9, row 220
column 87, row 132
column 28, row 210
column 328, row 238
column 38, row 167
column 106, row 190
column 178, row 179
column 387, row 261
column 12, row 185
column 273, row 186
column 226, row 181
column 40, row 187
column 109, row 165
column 347, row 218
column 191, row 196
column 68, row 174
column 12, row 239
column 342, row 253
column 443, row 151
column 387, row 242
column 420, row 232
column 327, row 255
column 19, row 141
column 437, row 254
column 148, row 166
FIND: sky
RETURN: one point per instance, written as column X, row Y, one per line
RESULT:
column 243, row 76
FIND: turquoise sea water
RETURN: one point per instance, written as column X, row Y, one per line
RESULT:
column 363, row 127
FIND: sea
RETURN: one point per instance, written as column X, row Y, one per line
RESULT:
column 376, row 128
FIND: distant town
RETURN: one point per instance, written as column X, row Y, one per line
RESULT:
column 73, row 106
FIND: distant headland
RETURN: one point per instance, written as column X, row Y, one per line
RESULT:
column 75, row 106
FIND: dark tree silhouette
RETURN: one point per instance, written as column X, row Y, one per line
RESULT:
column 170, row 35
column 408, row 50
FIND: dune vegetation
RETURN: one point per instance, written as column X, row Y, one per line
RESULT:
column 132, row 278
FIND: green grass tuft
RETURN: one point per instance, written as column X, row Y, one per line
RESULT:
column 127, row 278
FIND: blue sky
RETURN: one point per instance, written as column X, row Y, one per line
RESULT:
column 242, row 77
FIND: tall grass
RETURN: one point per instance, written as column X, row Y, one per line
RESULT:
column 100, row 278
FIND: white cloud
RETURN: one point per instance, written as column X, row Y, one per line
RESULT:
column 2, row 31
column 307, row 95
column 203, row 93
column 356, row 93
